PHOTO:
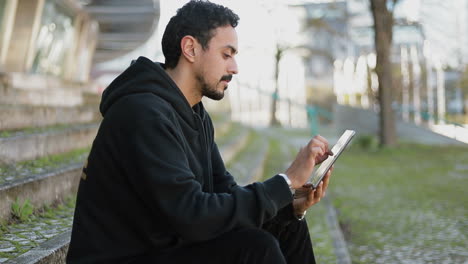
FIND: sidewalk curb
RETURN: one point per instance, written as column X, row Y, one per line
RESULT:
column 339, row 243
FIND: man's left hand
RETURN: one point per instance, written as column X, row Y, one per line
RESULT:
column 305, row 197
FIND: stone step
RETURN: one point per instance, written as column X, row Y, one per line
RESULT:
column 15, row 117
column 52, row 251
column 41, row 181
column 27, row 81
column 248, row 164
column 42, row 97
column 24, row 145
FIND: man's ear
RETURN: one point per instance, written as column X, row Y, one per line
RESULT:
column 187, row 45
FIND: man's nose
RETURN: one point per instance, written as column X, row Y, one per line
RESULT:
column 233, row 67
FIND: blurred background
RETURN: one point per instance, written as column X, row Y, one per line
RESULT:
column 393, row 70
column 294, row 54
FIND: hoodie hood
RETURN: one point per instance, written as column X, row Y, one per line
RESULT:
column 145, row 76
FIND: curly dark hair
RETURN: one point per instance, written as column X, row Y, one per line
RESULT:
column 198, row 19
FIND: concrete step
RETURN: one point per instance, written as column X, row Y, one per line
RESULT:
column 43, row 97
column 15, row 117
column 26, row 145
column 27, row 81
column 41, row 181
column 248, row 164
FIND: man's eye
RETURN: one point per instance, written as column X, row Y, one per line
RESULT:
column 227, row 55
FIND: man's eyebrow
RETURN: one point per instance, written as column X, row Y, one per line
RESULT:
column 233, row 50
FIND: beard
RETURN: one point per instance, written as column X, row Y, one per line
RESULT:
column 209, row 90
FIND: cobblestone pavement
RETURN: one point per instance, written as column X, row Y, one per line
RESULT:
column 19, row 238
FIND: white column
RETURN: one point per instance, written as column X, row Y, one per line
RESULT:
column 416, row 84
column 405, row 83
column 440, row 93
column 429, row 83
column 6, row 28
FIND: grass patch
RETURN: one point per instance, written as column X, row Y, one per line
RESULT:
column 22, row 210
column 403, row 205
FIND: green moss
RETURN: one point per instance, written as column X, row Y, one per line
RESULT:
column 33, row 130
column 5, row 255
column 48, row 163
column 4, row 134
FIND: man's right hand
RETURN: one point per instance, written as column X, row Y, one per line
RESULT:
column 301, row 168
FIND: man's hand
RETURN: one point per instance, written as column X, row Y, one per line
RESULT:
column 305, row 197
column 315, row 152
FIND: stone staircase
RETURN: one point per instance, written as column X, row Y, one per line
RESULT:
column 45, row 135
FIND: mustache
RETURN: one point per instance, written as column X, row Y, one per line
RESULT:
column 226, row 78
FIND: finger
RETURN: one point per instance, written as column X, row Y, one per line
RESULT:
column 328, row 175
column 319, row 192
column 299, row 193
column 315, row 142
column 322, row 158
column 326, row 180
column 317, row 151
column 323, row 140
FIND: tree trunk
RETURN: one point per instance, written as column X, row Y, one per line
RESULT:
column 274, row 121
column 383, row 27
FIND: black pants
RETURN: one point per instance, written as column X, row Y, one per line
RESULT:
column 271, row 245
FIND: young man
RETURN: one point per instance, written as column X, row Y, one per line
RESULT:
column 155, row 188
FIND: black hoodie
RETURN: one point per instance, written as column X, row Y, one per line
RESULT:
column 155, row 180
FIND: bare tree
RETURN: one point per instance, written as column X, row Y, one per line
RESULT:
column 464, row 88
column 279, row 54
column 382, row 12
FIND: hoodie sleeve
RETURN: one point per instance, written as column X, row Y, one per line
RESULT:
column 158, row 170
